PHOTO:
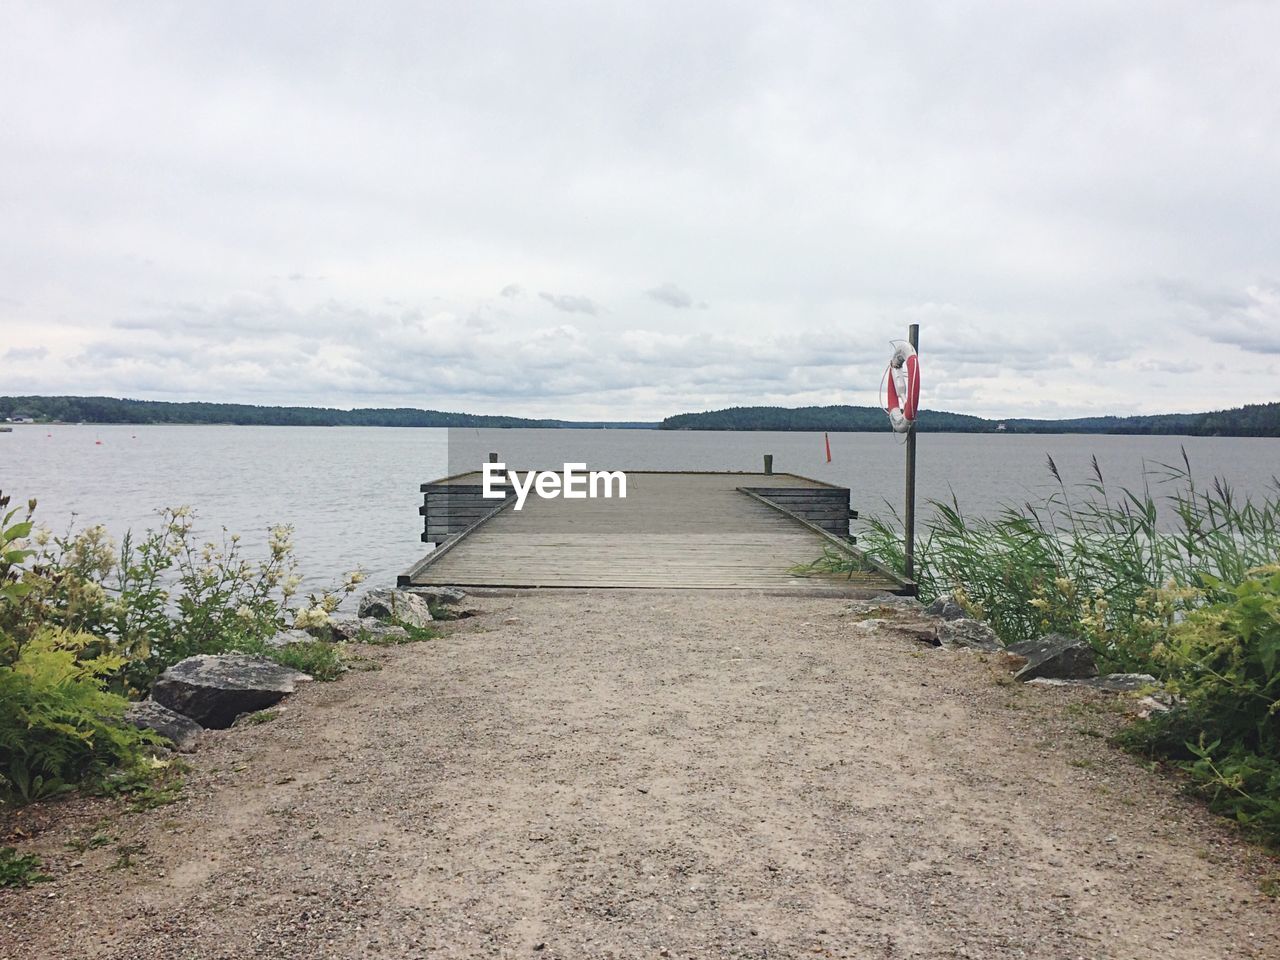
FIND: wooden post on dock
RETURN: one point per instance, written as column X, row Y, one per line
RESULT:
column 909, row 516
column 493, row 458
column 768, row 463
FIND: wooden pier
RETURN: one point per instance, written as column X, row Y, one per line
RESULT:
column 755, row 531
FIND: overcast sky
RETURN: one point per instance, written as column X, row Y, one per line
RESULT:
column 629, row 210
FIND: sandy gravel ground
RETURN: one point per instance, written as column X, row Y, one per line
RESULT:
column 652, row 775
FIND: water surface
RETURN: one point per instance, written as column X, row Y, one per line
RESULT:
column 352, row 495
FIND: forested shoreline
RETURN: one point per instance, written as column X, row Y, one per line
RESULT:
column 1253, row 420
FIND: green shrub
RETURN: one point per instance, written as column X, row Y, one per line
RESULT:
column 1223, row 662
column 58, row 722
column 84, row 626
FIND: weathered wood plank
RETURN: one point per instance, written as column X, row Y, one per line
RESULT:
column 693, row 530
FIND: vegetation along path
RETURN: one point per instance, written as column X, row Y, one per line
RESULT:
column 643, row 774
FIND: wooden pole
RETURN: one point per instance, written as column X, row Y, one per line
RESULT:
column 493, row 458
column 909, row 517
column 768, row 463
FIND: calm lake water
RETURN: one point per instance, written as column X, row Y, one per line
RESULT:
column 351, row 493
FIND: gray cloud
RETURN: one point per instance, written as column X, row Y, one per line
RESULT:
column 1248, row 319
column 571, row 303
column 672, row 295
column 26, row 353
column 512, row 290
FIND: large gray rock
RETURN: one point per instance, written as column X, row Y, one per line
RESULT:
column 395, row 605
column 182, row 732
column 214, row 690
column 450, row 596
column 1055, row 655
column 946, row 607
column 368, row 628
column 970, row 634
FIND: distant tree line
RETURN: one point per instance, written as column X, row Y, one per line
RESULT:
column 1253, row 420
column 113, row 410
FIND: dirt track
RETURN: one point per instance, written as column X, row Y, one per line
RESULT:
column 643, row 775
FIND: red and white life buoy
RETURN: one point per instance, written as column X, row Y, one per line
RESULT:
column 903, row 379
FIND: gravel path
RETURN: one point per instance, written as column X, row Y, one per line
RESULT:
column 649, row 775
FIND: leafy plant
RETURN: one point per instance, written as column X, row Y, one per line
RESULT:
column 165, row 595
column 146, row 785
column 59, row 723
column 90, row 842
column 20, row 870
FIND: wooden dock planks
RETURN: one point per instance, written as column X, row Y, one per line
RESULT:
column 682, row 530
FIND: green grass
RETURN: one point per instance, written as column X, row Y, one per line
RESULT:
column 320, row 659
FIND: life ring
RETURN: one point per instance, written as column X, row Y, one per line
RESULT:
column 903, row 380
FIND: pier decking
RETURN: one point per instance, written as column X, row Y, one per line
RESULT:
column 672, row 530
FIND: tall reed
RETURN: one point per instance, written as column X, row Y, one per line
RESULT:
column 1113, row 564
